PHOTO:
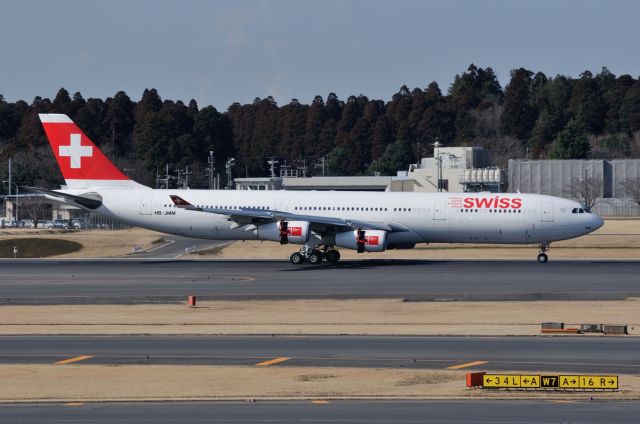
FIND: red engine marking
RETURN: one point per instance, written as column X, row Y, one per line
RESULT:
column 373, row 240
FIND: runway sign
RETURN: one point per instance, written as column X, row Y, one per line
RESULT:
column 501, row 381
column 598, row 381
column 569, row 381
column 560, row 382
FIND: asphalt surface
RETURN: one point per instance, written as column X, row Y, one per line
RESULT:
column 134, row 280
column 176, row 246
column 452, row 412
column 601, row 355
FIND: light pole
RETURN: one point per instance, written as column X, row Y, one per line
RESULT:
column 17, row 196
column 212, row 162
column 229, row 165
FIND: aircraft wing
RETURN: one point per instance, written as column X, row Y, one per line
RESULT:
column 245, row 216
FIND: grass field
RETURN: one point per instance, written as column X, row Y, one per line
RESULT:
column 93, row 243
column 37, row 247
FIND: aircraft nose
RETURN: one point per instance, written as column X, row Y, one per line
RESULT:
column 597, row 221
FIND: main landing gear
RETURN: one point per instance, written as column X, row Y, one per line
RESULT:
column 542, row 256
column 315, row 256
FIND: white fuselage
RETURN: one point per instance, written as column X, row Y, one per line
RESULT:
column 428, row 217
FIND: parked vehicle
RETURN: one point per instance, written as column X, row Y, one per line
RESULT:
column 80, row 224
column 27, row 223
column 60, row 224
column 45, row 223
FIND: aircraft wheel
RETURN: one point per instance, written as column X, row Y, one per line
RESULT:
column 296, row 258
column 333, row 256
column 315, row 258
column 543, row 258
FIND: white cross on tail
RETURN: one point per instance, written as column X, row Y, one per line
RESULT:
column 76, row 151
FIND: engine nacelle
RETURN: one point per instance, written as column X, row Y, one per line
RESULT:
column 370, row 241
column 296, row 232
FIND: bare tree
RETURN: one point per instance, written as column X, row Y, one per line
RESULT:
column 632, row 189
column 503, row 148
column 31, row 206
column 487, row 130
column 586, row 190
column 634, row 148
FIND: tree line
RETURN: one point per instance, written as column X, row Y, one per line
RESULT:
column 534, row 116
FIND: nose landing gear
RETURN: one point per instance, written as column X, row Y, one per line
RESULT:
column 542, row 256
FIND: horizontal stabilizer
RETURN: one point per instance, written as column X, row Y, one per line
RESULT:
column 88, row 200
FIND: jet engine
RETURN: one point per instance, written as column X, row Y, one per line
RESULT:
column 296, row 232
column 363, row 240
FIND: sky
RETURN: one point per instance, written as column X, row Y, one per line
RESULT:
column 225, row 51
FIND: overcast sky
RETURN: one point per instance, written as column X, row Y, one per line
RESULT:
column 220, row 52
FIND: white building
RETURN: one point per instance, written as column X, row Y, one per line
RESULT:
column 454, row 169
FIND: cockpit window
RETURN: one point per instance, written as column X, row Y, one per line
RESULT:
column 581, row 210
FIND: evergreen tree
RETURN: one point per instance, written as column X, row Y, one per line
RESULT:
column 62, row 102
column 630, row 109
column 382, row 136
column 396, row 157
column 519, row 114
column 586, row 104
column 313, row 129
column 571, row 143
column 293, row 119
column 213, row 132
column 121, row 123
column 614, row 98
column 149, row 103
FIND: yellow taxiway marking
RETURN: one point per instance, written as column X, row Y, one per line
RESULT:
column 75, row 359
column 467, row 365
column 272, row 361
column 320, row 402
column 74, row 404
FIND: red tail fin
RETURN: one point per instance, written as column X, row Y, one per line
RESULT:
column 82, row 164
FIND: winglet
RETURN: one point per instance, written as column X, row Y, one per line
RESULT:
column 181, row 203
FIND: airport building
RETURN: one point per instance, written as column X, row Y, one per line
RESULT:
column 613, row 182
column 454, row 169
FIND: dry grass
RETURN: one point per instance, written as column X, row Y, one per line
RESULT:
column 95, row 243
column 366, row 316
column 78, row 383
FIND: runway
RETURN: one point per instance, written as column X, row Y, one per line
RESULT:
column 135, row 280
column 603, row 355
column 453, row 412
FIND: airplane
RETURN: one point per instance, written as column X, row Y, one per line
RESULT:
column 320, row 222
